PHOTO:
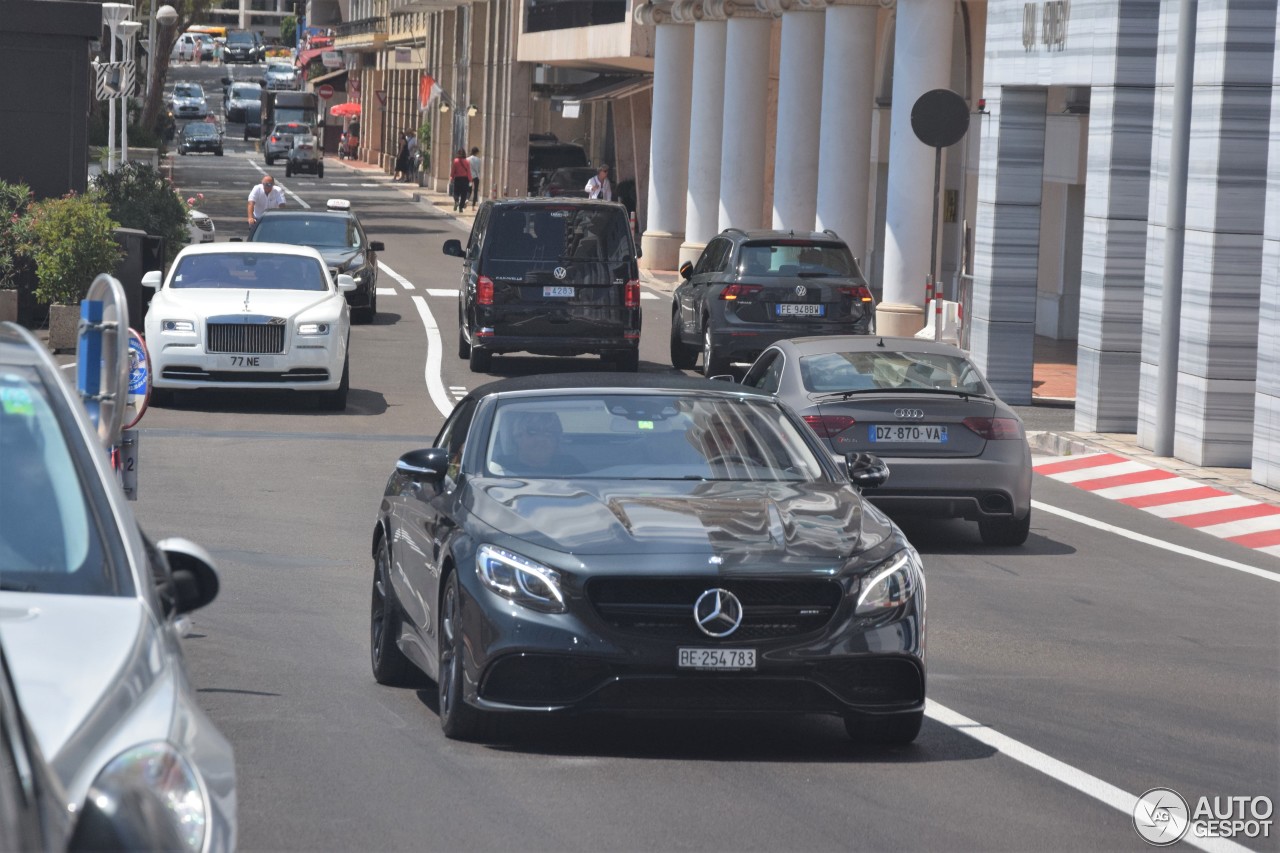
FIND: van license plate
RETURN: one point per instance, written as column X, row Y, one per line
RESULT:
column 557, row 291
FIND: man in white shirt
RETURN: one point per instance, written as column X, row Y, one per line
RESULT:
column 599, row 186
column 263, row 197
column 474, row 162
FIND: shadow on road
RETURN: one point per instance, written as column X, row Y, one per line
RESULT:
column 957, row 536
column 360, row 402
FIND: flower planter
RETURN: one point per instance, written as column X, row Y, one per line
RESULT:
column 64, row 327
column 8, row 306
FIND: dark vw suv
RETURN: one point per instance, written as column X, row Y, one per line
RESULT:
column 751, row 288
column 550, row 277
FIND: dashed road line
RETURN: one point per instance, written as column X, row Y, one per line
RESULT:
column 387, row 291
column 404, row 282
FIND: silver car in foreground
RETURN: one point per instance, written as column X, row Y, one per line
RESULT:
column 90, row 611
column 954, row 448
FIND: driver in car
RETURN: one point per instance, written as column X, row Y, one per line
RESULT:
column 535, row 439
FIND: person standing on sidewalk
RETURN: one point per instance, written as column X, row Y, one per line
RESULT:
column 263, row 197
column 474, row 162
column 599, row 186
column 460, row 179
column 412, row 162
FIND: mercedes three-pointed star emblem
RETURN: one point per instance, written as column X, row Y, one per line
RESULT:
column 718, row 612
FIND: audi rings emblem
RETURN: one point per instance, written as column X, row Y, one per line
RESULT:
column 909, row 414
column 718, row 612
column 801, row 290
column 560, row 272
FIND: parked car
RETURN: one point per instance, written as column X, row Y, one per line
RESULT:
column 200, row 227
column 235, row 315
column 200, row 136
column 242, row 101
column 643, row 544
column 89, row 618
column 280, row 142
column 282, row 75
column 567, row 183
column 751, row 288
column 547, row 154
column 306, row 155
column 243, row 46
column 336, row 233
column 188, row 101
column 549, row 277
column 955, row 449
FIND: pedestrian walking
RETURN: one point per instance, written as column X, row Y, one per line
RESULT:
column 413, row 157
column 474, row 162
column 599, row 186
column 263, row 197
column 460, row 179
column 197, row 52
column 402, row 158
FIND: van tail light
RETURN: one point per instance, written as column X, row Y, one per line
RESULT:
column 740, row 291
column 484, row 290
column 631, row 296
column 275, row 139
column 829, row 426
column 857, row 294
column 995, row 429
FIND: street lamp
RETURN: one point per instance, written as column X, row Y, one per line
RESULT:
column 167, row 16
column 128, row 34
column 113, row 14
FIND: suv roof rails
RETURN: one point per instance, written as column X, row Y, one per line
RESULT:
column 735, row 228
column 831, row 231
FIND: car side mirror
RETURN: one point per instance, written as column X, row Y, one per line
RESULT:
column 195, row 580
column 376, row 246
column 686, row 270
column 453, row 248
column 424, row 466
column 152, row 279
column 866, row 470
column 346, row 283
column 262, row 81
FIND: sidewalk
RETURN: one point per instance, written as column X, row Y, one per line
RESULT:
column 1230, row 494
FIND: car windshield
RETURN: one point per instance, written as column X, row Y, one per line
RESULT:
column 791, row 258
column 188, row 90
column 322, row 232
column 890, row 370
column 240, row 38
column 200, row 129
column 49, row 538
column 588, row 233
column 648, row 437
column 246, row 93
column 247, row 270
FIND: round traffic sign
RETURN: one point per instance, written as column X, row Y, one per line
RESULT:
column 940, row 118
column 139, row 380
column 325, row 91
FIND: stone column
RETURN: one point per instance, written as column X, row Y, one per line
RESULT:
column 844, row 141
column 746, row 83
column 795, row 164
column 1266, row 424
column 669, row 137
column 922, row 62
column 702, row 203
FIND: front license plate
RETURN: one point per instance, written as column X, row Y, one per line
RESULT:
column 557, row 291
column 724, row 659
column 919, row 433
column 788, row 309
column 247, row 362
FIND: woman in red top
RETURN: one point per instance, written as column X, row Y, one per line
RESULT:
column 460, row 179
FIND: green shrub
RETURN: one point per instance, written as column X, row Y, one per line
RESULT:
column 139, row 196
column 14, row 200
column 71, row 240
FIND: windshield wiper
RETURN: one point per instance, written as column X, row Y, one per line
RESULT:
column 18, row 587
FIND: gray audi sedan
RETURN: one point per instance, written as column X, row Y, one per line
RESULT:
column 954, row 448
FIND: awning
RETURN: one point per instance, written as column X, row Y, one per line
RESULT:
column 602, row 87
column 305, row 57
column 331, row 77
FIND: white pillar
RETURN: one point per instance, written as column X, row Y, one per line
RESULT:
column 922, row 62
column 669, row 139
column 702, row 202
column 742, row 150
column 795, row 164
column 844, row 142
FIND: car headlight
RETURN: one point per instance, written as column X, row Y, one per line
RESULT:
column 892, row 583
column 313, row 328
column 520, row 579
column 178, row 327
column 159, row 768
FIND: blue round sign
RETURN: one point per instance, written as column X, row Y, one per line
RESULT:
column 139, row 379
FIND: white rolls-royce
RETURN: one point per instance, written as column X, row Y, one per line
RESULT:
column 249, row 315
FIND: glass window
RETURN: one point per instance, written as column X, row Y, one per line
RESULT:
column 891, row 370
column 713, row 257
column 559, row 233
column 647, row 437
column 453, row 437
column 240, row 271
column 49, row 538
column 321, row 231
column 796, row 258
column 766, row 373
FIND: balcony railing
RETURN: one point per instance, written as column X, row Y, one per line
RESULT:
column 362, row 27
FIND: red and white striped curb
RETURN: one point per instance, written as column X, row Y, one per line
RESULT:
column 1238, row 519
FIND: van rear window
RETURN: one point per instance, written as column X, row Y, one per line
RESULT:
column 594, row 233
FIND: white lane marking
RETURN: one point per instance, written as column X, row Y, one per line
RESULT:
column 1196, row 507
column 296, row 197
column 387, row 291
column 369, row 185
column 339, row 185
column 404, row 282
column 435, row 385
column 457, row 387
column 1099, row 471
column 644, row 294
column 442, row 292
column 1085, row 783
column 1157, row 543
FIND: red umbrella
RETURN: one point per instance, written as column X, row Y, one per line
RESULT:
column 348, row 108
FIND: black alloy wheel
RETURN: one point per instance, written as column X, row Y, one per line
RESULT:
column 464, row 348
column 336, row 400
column 481, row 360
column 889, row 730
column 683, row 356
column 390, row 666
column 458, row 720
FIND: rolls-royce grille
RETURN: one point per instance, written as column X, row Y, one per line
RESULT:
column 663, row 607
column 249, row 338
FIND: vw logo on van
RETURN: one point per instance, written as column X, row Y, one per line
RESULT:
column 560, row 272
